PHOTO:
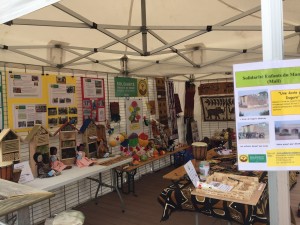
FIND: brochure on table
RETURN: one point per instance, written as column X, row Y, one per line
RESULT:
column 267, row 106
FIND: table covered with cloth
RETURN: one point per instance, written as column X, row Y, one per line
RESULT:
column 177, row 196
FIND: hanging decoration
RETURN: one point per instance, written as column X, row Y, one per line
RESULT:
column 133, row 112
column 177, row 104
column 218, row 108
column 114, row 111
column 161, row 100
column 189, row 100
column 172, row 111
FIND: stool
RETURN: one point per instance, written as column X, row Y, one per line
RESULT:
column 70, row 217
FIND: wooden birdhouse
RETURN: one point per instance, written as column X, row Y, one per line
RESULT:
column 89, row 138
column 9, row 145
column 67, row 143
column 38, row 139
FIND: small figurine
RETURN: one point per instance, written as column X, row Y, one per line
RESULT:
column 81, row 159
column 43, row 170
column 55, row 163
column 102, row 148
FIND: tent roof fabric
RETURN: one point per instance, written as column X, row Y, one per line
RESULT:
column 145, row 38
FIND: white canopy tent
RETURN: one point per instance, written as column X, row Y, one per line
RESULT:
column 145, row 38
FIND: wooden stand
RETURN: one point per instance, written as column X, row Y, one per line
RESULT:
column 89, row 138
column 38, row 139
column 67, row 143
column 9, row 145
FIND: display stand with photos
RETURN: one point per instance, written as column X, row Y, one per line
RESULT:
column 67, row 143
column 89, row 138
column 38, row 139
column 9, row 145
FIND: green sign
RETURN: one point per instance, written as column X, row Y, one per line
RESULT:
column 257, row 158
column 267, row 77
column 125, row 87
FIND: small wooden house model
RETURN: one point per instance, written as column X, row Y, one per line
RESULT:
column 67, row 142
column 9, row 145
column 89, row 138
column 38, row 139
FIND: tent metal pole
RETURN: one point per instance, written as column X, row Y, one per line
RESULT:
column 99, row 49
column 96, row 26
column 31, row 56
column 50, row 23
column 144, row 25
column 278, row 181
column 216, row 28
column 225, row 22
column 91, row 60
column 172, row 48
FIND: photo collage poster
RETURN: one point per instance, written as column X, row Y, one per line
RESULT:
column 93, row 99
column 35, row 99
column 62, row 106
column 267, row 115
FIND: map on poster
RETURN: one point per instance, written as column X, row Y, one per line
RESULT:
column 267, row 110
column 24, row 86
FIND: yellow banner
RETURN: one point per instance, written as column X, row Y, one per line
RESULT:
column 280, row 157
column 285, row 102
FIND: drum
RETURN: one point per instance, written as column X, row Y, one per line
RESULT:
column 199, row 150
column 6, row 170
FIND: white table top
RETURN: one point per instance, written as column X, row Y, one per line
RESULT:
column 74, row 174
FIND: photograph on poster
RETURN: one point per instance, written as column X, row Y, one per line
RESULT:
column 62, row 100
column 94, row 104
column 40, row 108
column 94, row 115
column 61, row 79
column 34, row 78
column 98, row 83
column 253, row 103
column 52, row 111
column 86, row 103
column 16, row 90
column 101, row 114
column 38, row 122
column 54, row 100
column 287, row 130
column 98, row 91
column 62, row 119
column 30, row 123
column 62, row 110
column 253, row 131
column 72, row 110
column 73, row 119
column 70, row 89
column 22, row 124
column 101, row 103
column 52, row 122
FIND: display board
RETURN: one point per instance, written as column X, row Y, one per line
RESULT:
column 36, row 99
column 93, row 99
column 267, row 115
